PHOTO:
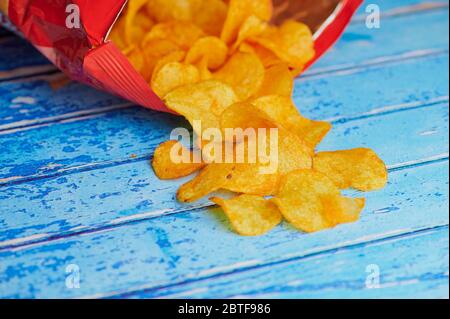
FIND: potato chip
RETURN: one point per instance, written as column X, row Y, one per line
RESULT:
column 175, row 56
column 183, row 34
column 292, row 42
column 250, row 215
column 173, row 75
column 172, row 160
column 205, row 73
column 342, row 210
column 117, row 35
column 247, row 169
column 136, row 58
column 252, row 27
column 247, row 179
column 311, row 202
column 359, row 168
column 261, row 177
column 293, row 153
column 204, row 101
column 239, row 11
column 244, row 72
column 142, row 21
column 156, row 50
column 210, row 16
column 281, row 110
column 239, row 178
column 211, row 49
column 267, row 57
column 278, row 80
column 276, row 154
column 135, row 25
column 230, row 73
column 244, row 115
column 169, row 10
column 210, row 179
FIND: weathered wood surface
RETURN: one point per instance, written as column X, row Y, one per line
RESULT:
column 76, row 186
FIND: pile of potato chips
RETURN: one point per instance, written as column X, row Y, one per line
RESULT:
column 223, row 63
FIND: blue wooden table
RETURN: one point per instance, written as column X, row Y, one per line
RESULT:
column 83, row 215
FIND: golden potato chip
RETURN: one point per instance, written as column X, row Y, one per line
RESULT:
column 117, row 35
column 292, row 42
column 281, row 110
column 294, row 154
column 204, row 101
column 143, row 21
column 239, row 178
column 291, row 152
column 210, row 179
column 266, row 57
column 244, row 72
column 173, row 75
column 156, row 50
column 255, row 172
column 135, row 22
column 205, row 73
column 175, row 56
column 172, row 160
column 183, row 34
column 279, row 154
column 211, row 49
column 248, row 169
column 221, row 65
column 250, row 215
column 239, row 11
column 210, row 16
column 342, row 210
column 359, row 168
column 244, row 115
column 278, row 80
column 252, row 27
column 247, row 179
column 136, row 58
column 169, row 10
column 311, row 202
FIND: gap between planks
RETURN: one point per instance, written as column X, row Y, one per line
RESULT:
column 377, row 112
column 249, row 266
column 25, row 125
column 43, row 239
column 26, row 72
column 405, row 11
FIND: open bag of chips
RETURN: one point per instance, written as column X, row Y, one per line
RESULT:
column 228, row 67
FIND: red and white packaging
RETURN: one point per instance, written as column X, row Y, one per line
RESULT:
column 86, row 55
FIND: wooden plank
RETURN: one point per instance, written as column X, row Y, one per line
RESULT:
column 407, row 266
column 168, row 255
column 19, row 58
column 373, row 46
column 4, row 32
column 31, row 57
column 33, row 102
column 51, row 148
column 64, row 203
column 402, row 36
column 199, row 244
column 17, row 52
column 389, row 5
